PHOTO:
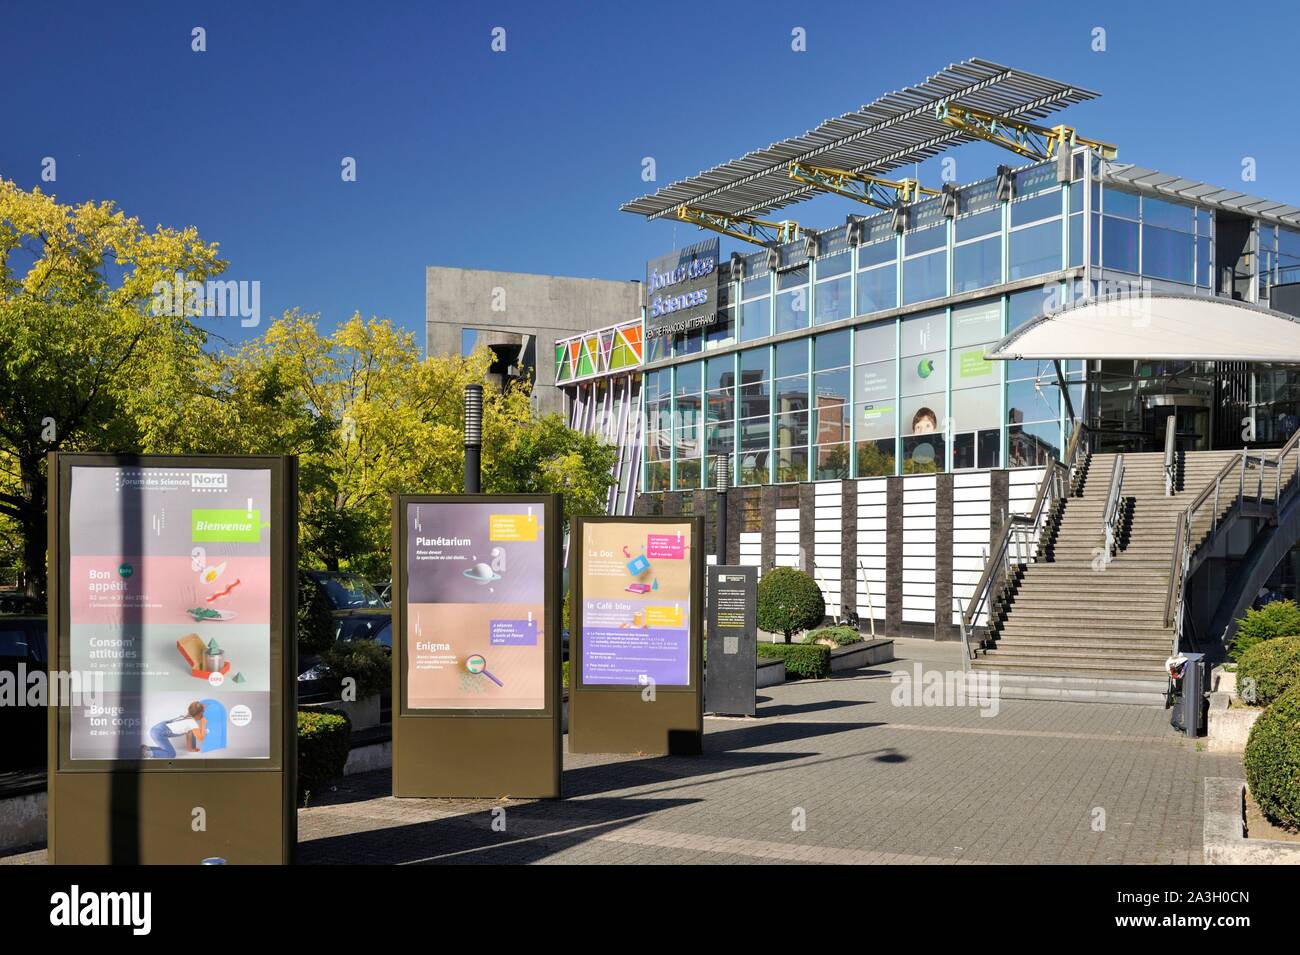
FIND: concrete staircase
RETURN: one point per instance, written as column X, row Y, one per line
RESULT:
column 1074, row 628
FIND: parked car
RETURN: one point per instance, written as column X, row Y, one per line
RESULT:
column 346, row 591
column 317, row 682
column 23, row 649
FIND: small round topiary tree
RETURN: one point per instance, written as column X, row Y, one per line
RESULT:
column 789, row 601
column 1268, row 669
column 1281, row 618
column 1272, row 760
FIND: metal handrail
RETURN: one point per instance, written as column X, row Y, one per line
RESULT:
column 1111, row 513
column 1074, row 450
column 1171, row 453
column 1016, row 529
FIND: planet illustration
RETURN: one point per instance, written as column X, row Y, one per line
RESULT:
column 482, row 574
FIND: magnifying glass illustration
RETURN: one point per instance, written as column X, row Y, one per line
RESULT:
column 476, row 664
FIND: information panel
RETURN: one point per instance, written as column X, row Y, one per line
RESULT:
column 475, row 606
column 169, row 603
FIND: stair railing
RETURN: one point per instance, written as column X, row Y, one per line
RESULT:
column 1111, row 515
column 1171, row 454
column 1013, row 548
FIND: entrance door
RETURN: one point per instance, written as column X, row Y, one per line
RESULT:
column 1191, row 414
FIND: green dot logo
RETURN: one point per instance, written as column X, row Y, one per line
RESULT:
column 125, row 570
column 925, row 367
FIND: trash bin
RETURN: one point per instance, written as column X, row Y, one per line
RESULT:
column 1189, row 701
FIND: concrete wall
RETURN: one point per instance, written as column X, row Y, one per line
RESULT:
column 547, row 306
column 918, row 541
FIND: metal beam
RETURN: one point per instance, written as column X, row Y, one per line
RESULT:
column 1026, row 139
column 873, row 190
column 745, row 228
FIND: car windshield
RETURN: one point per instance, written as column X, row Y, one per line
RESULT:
column 350, row 593
column 365, row 628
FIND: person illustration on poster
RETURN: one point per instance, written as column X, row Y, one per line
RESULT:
column 193, row 726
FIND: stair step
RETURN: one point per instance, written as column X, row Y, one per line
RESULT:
column 994, row 660
column 1028, row 685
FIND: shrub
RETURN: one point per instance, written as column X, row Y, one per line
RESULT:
column 316, row 627
column 802, row 660
column 789, row 601
column 1272, row 760
column 1268, row 669
column 840, row 636
column 324, row 738
column 365, row 661
column 1281, row 618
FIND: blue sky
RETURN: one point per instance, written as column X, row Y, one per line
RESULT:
column 519, row 160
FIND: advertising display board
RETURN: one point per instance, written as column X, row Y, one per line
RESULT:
column 635, row 666
column 731, row 684
column 173, row 607
column 476, row 668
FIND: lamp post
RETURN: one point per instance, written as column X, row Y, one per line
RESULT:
column 473, row 437
column 722, row 476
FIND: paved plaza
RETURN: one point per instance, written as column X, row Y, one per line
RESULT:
column 1039, row 782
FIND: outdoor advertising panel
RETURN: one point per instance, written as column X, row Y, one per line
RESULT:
column 635, row 665
column 173, row 603
column 475, row 628
column 682, row 289
column 169, row 602
column 476, row 662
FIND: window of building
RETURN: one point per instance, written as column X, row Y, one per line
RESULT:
column 834, row 295
column 976, row 386
column 875, row 394
column 829, row 424
column 790, row 407
column 756, row 306
column 878, row 276
column 754, row 407
column 1033, row 396
column 921, row 391
column 977, row 253
column 792, row 306
column 1034, row 246
column 719, row 411
column 688, row 425
column 658, row 446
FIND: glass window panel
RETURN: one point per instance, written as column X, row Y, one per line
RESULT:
column 689, row 472
column 977, row 323
column 1035, row 250
column 923, row 454
column 1167, row 254
column 689, row 342
column 720, row 372
column 755, row 365
column 1117, row 203
column 792, row 430
column 792, row 278
column 925, row 278
column 977, row 408
column 923, row 414
column 1076, row 240
column 924, row 332
column 838, row 264
column 792, row 310
column 990, row 448
column 723, row 331
column 720, row 438
column 792, row 393
column 834, row 300
column 792, row 358
column 755, row 319
column 875, row 458
column 756, row 286
column 658, row 445
column 985, row 223
column 830, row 423
column 923, row 373
column 755, row 433
column 963, row 450
column 874, row 342
column 877, row 289
column 1023, row 306
column 1032, row 401
column 656, row 476
column 831, row 350
column 1033, row 445
column 831, row 386
column 690, row 378
column 977, row 265
column 1119, row 244
column 792, row 465
column 755, row 399
column 831, row 462
column 1168, row 215
column 1042, row 206
column 720, row 405
column 925, row 240
column 877, row 253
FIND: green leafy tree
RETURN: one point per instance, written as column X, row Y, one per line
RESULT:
column 1281, row 618
column 80, row 343
column 789, row 601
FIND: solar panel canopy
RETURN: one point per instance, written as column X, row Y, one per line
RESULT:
column 895, row 130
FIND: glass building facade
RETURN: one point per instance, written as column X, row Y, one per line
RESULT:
column 866, row 358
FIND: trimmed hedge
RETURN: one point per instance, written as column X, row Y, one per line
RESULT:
column 810, row 661
column 1281, row 618
column 324, row 739
column 1272, row 760
column 1268, row 669
column 840, row 636
column 365, row 661
column 789, row 600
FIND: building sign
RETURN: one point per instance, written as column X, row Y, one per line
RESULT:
column 682, row 290
column 169, row 602
column 733, row 640
column 636, row 604
column 475, row 606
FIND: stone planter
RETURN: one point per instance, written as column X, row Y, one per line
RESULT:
column 1227, row 728
column 770, row 672
column 855, row 656
column 1225, row 841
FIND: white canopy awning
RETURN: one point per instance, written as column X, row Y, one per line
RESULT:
column 1166, row 327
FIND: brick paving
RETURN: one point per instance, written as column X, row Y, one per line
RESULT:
column 874, row 783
